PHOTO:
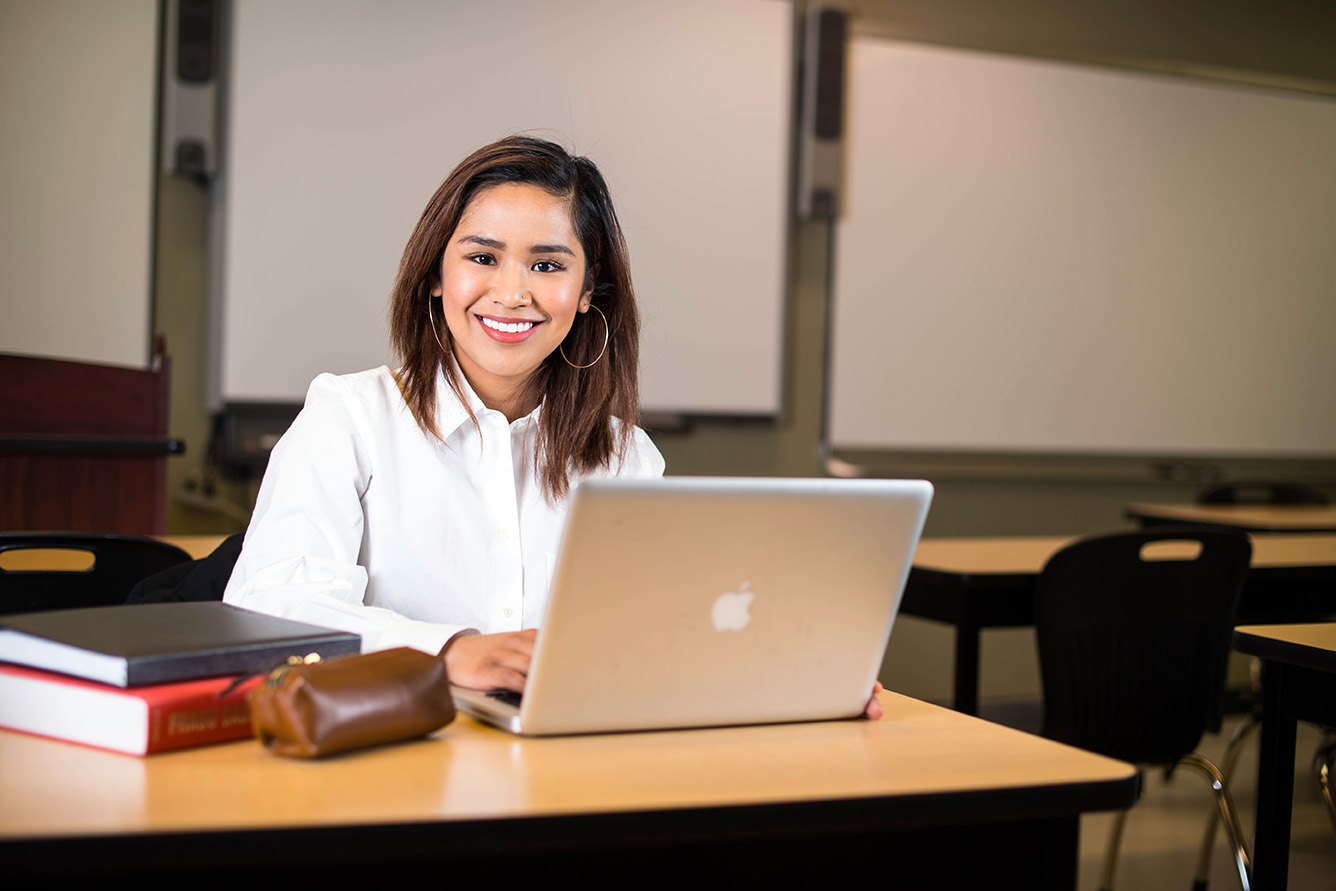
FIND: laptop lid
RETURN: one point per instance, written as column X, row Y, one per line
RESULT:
column 691, row 602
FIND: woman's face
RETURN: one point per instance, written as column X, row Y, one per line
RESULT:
column 512, row 280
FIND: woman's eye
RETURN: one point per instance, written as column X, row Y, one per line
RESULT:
column 547, row 266
column 482, row 259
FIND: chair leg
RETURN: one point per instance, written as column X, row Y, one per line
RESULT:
column 1111, row 855
column 1225, row 805
column 1325, row 763
column 1232, row 751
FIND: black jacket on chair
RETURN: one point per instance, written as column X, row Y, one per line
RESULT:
column 203, row 579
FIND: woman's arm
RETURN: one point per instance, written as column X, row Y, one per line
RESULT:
column 300, row 558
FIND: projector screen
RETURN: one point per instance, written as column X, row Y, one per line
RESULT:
column 342, row 119
column 1039, row 257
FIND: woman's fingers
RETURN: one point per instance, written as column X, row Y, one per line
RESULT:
column 491, row 661
column 873, row 711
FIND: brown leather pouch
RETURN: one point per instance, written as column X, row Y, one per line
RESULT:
column 310, row 710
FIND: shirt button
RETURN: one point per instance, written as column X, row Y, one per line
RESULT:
column 504, row 533
column 507, row 612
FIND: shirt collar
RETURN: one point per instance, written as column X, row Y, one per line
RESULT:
column 451, row 414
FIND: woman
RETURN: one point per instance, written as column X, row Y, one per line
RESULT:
column 423, row 507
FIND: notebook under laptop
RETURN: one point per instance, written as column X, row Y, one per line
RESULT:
column 694, row 602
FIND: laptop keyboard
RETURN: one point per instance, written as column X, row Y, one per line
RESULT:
column 509, row 697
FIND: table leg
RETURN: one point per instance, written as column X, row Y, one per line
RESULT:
column 965, row 696
column 1275, row 784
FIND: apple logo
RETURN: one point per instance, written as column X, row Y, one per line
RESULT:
column 730, row 610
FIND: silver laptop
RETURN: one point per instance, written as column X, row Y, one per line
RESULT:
column 696, row 602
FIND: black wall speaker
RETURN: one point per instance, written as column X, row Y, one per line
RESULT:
column 821, row 112
column 190, row 88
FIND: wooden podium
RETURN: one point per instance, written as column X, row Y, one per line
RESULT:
column 84, row 447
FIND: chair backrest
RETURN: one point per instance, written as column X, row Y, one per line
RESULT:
column 1134, row 642
column 37, row 580
column 1262, row 493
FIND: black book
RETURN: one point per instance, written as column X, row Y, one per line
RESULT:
column 155, row 643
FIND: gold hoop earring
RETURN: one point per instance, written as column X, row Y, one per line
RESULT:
column 431, row 320
column 607, row 332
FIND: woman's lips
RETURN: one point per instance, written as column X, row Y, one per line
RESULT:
column 508, row 330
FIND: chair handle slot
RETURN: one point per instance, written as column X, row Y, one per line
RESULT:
column 47, row 559
column 1184, row 549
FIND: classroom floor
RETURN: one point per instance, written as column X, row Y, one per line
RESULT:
column 1164, row 831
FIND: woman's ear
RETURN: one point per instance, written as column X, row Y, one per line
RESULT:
column 436, row 290
column 587, row 298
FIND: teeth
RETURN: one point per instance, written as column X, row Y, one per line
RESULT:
column 512, row 328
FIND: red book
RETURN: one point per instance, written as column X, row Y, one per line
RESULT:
column 135, row 720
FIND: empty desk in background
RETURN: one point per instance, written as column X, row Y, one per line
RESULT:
column 938, row 796
column 978, row 583
column 1299, row 684
column 1288, row 518
column 197, row 546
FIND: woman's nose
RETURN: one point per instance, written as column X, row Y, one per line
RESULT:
column 511, row 286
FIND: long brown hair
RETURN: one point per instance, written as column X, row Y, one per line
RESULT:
column 576, row 431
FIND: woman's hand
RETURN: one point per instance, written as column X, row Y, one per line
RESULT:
column 873, row 711
column 490, row 661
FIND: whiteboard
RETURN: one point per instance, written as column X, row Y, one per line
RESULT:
column 342, row 119
column 1039, row 257
column 77, row 86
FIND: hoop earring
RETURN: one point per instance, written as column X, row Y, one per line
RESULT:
column 431, row 320
column 606, row 334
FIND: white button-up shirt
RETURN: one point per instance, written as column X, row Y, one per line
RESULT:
column 367, row 524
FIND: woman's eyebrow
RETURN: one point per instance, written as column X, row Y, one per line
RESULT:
column 501, row 245
column 484, row 241
column 551, row 249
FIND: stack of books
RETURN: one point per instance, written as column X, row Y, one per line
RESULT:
column 146, row 678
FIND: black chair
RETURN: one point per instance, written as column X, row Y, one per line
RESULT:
column 1134, row 632
column 1262, row 493
column 118, row 562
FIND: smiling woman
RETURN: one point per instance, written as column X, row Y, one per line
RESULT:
column 512, row 279
column 556, row 213
column 422, row 507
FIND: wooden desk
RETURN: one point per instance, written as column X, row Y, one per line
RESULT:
column 938, row 797
column 1299, row 662
column 197, row 546
column 1301, row 518
column 977, row 583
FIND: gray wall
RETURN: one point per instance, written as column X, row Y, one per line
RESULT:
column 77, row 84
